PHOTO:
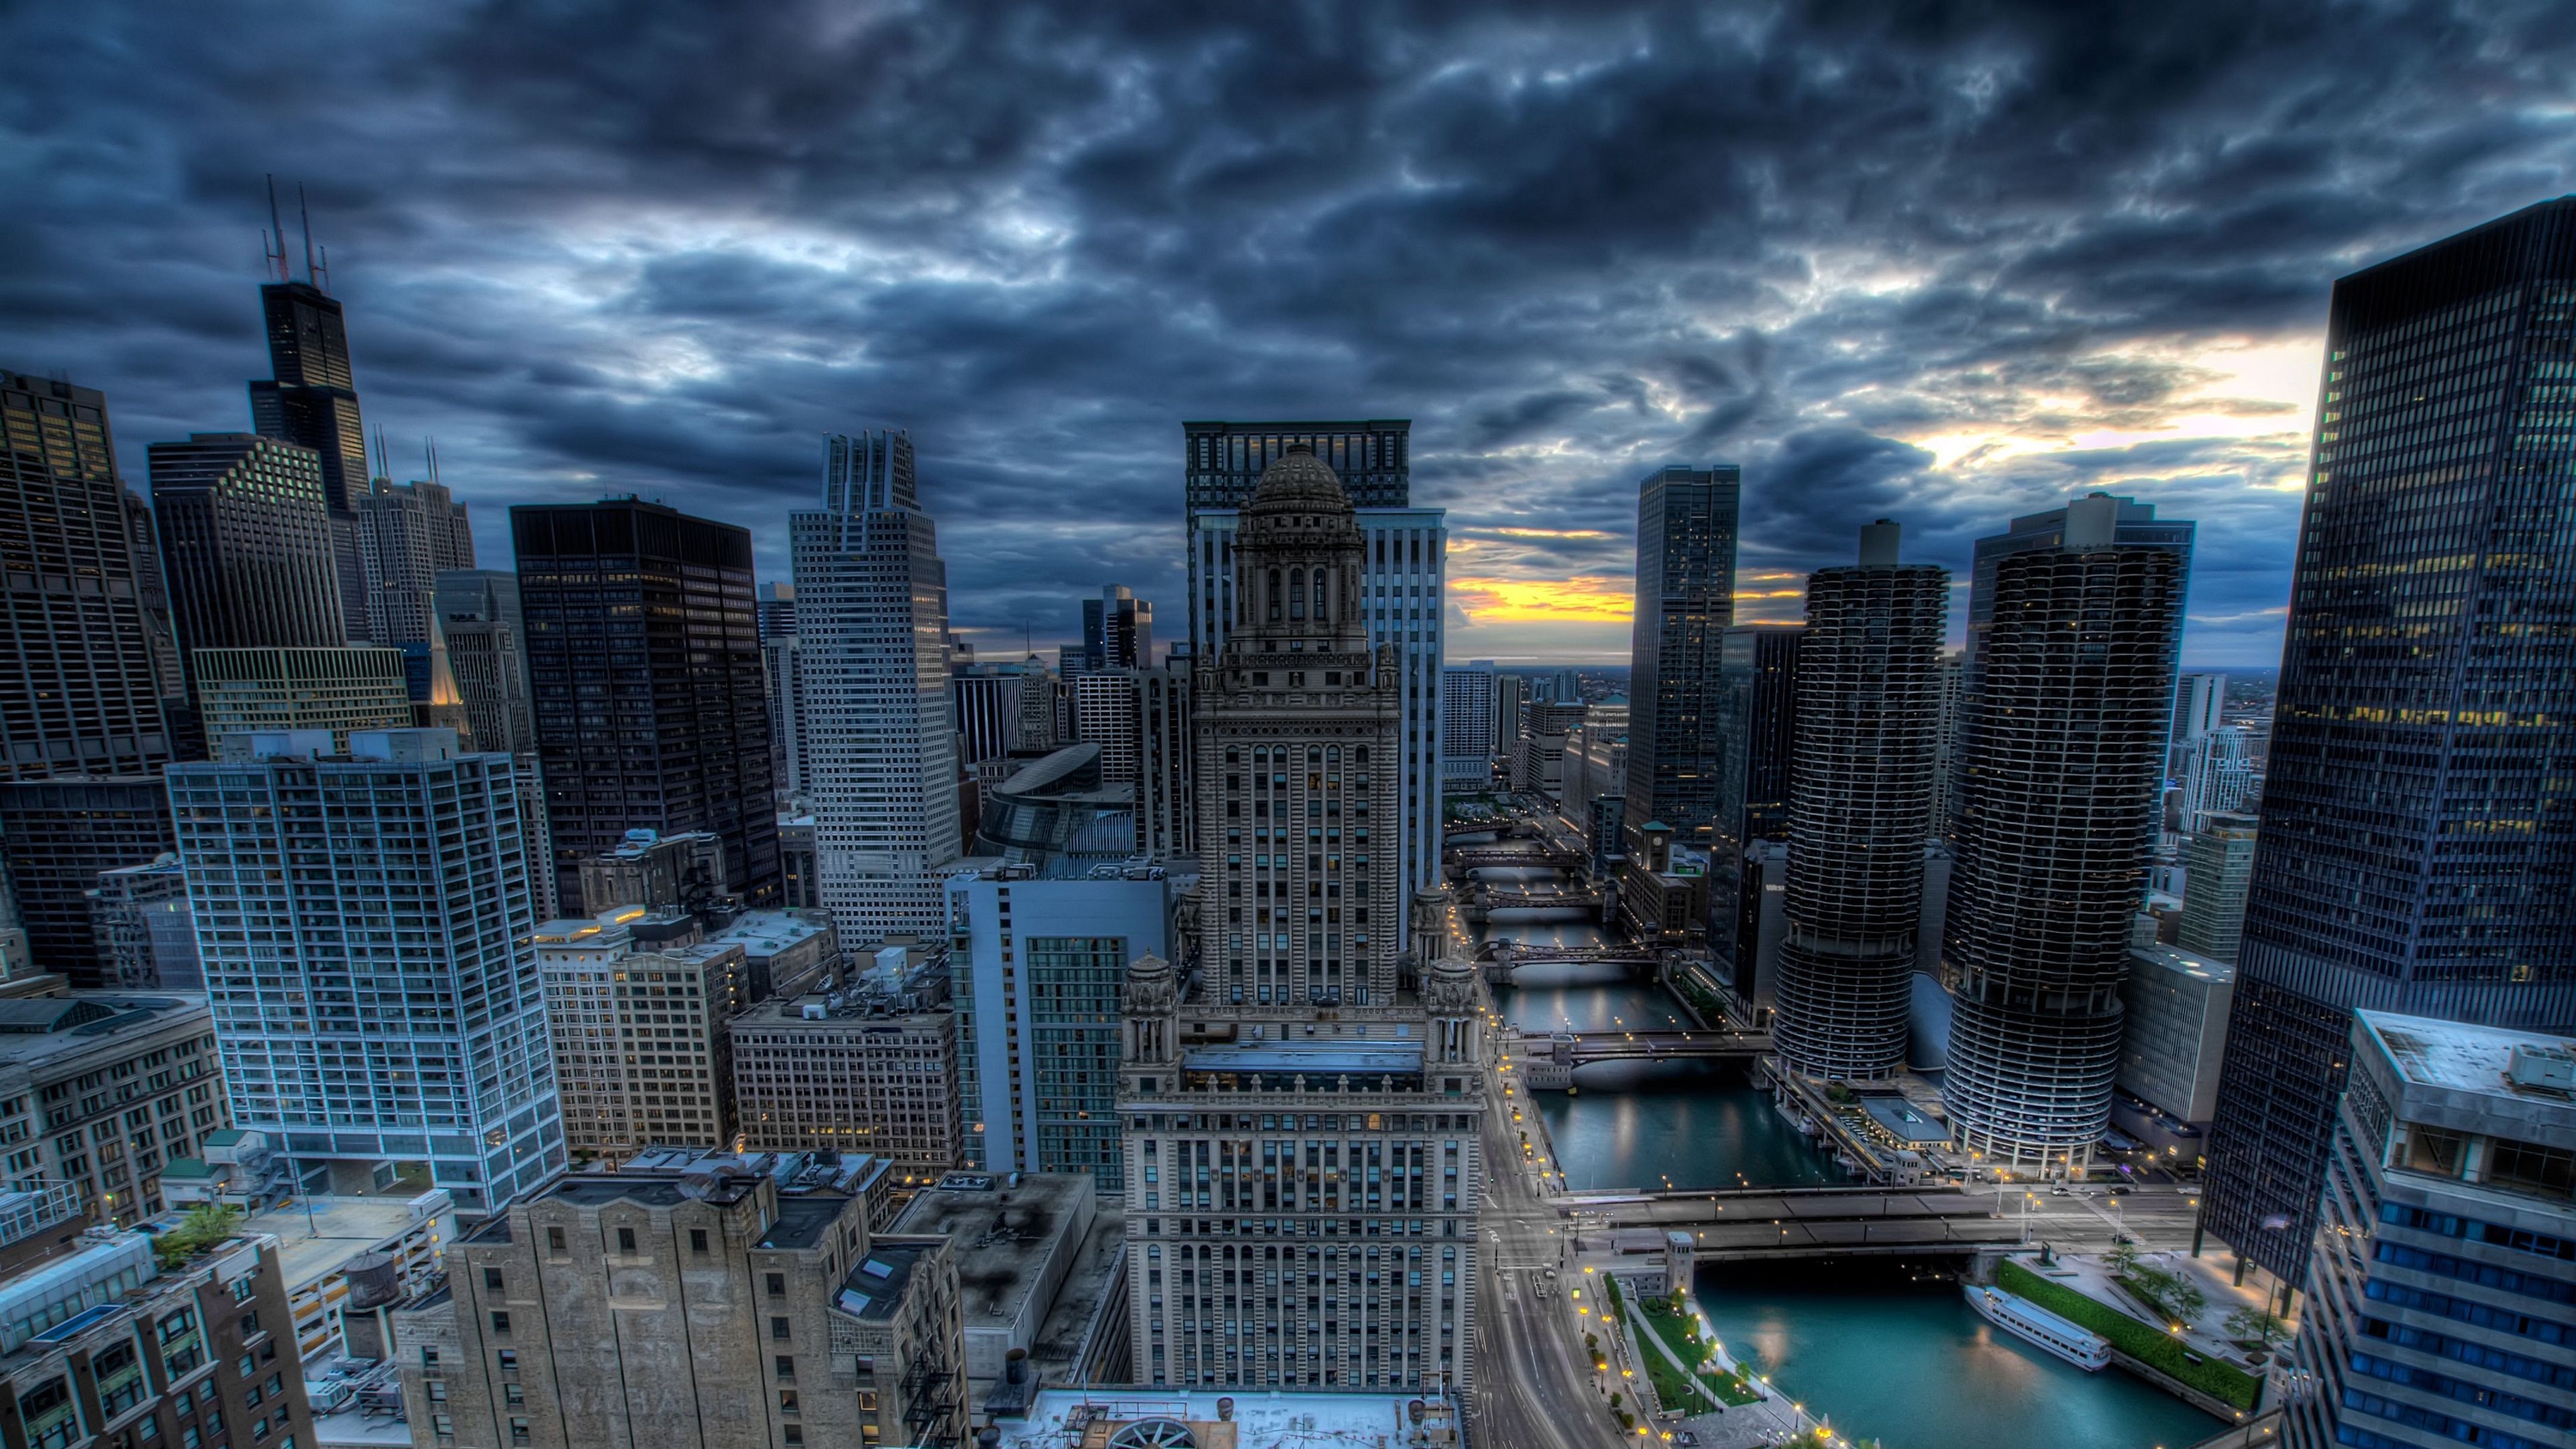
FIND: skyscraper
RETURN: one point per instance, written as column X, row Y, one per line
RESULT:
column 311, row 400
column 1298, row 721
column 408, row 535
column 2218, row 868
column 1757, row 686
column 385, row 1008
column 478, row 610
column 1221, row 463
column 1404, row 565
column 2063, row 767
column 776, row 611
column 1860, row 803
column 57, row 835
column 2199, row 700
column 649, row 706
column 265, row 691
column 1468, row 739
column 1685, row 600
column 2418, row 847
column 1117, row 630
column 880, row 750
column 246, row 549
column 78, row 688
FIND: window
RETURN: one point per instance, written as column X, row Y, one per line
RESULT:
column 864, row 1364
column 2432, row 1150
column 787, row 1368
column 441, row 1424
column 626, row 1240
column 518, row 1431
column 697, row 1240
column 514, row 1395
column 787, row 1401
column 500, row 1322
column 508, row 1359
column 429, row 1358
column 2530, row 1167
column 492, row 1279
column 792, row 1434
column 777, row 1285
column 779, row 1330
column 555, row 1240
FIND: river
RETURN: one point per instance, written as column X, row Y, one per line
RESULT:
column 1888, row 1350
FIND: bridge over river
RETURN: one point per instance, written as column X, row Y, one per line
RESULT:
column 1820, row 1222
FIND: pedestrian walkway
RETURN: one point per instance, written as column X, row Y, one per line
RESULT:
column 1757, row 1425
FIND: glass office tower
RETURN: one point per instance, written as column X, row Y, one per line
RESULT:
column 2418, row 841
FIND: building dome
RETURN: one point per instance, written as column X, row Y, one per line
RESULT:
column 1299, row 482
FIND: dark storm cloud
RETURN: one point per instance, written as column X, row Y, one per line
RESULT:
column 1901, row 260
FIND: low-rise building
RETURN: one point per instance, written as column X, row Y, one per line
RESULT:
column 115, row 1337
column 699, row 1310
column 2446, row 1244
column 103, row 1090
column 854, row 1069
column 785, row 952
column 321, row 1240
column 637, row 1003
column 1020, row 1239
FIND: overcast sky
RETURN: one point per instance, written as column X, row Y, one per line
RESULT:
column 1943, row 268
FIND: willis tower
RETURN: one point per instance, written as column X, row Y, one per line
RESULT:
column 312, row 400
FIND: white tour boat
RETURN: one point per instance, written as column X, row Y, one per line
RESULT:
column 2033, row 1324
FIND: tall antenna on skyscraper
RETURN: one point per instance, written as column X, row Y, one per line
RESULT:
column 272, row 243
column 325, row 282
column 307, row 213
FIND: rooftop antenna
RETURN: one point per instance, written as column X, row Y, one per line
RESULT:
column 325, row 283
column 307, row 213
column 272, row 243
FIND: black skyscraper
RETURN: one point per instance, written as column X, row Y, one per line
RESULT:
column 78, row 687
column 2418, row 845
column 312, row 401
column 1686, row 522
column 1757, row 676
column 644, row 654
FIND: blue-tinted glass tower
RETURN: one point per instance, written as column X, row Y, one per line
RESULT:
column 2418, row 842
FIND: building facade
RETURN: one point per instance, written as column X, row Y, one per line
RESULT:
column 102, row 1092
column 2418, row 850
column 650, row 709
column 1686, row 530
column 409, row 534
column 247, row 546
column 664, row 1310
column 57, row 837
column 637, row 1004
column 80, row 692
column 311, row 401
column 2175, row 1005
column 147, row 939
column 879, row 758
column 1468, row 739
column 850, row 1071
column 2077, row 686
column 1860, row 807
column 377, row 1006
column 1757, row 678
column 265, row 691
column 2446, row 1244
column 1037, row 960
column 2218, row 869
column 487, row 651
column 1117, row 631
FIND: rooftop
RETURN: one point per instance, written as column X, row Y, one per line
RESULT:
column 1359, row 1058
column 2185, row 963
column 1002, row 1235
column 338, row 1229
column 1057, row 1348
column 874, row 1288
column 766, row 933
column 801, row 1222
column 35, row 1029
column 2456, row 1056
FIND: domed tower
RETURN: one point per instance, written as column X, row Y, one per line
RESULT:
column 1299, row 746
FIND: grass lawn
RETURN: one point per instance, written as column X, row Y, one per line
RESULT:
column 2219, row 1380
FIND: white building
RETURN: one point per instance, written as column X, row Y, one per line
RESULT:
column 1468, row 737
column 363, row 924
column 879, row 750
column 1107, row 712
column 1401, row 600
column 2218, row 774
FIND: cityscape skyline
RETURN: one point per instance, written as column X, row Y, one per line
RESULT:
column 1997, row 329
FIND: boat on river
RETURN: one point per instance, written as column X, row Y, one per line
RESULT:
column 2037, row 1326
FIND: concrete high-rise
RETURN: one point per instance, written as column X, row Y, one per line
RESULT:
column 247, row 546
column 408, row 535
column 377, row 1007
column 1468, row 738
column 57, row 835
column 2435, row 1308
column 1686, row 521
column 2218, row 869
column 487, row 648
column 265, row 691
column 311, row 400
column 79, row 688
column 636, row 1004
column 1404, row 563
column 2418, row 847
column 775, row 611
column 2063, row 767
column 880, row 749
column 1860, row 806
column 650, row 709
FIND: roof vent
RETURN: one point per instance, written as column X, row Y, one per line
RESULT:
column 2550, row 1068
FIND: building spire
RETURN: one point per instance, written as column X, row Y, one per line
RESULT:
column 307, row 213
column 272, row 243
